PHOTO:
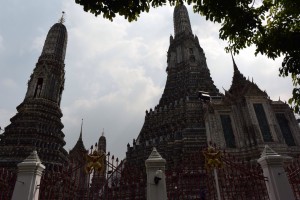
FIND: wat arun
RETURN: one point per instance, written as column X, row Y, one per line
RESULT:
column 192, row 113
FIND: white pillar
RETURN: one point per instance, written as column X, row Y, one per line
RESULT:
column 217, row 183
column 277, row 182
column 156, row 181
column 29, row 177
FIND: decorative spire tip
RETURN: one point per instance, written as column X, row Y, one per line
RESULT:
column 62, row 19
column 80, row 136
column 234, row 65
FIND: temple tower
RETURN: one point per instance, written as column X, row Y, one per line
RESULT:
column 176, row 126
column 37, row 124
column 187, row 69
column 102, row 143
column 99, row 179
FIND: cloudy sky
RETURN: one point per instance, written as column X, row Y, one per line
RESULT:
column 114, row 70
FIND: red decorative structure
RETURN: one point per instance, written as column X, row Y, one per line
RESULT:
column 7, row 183
column 241, row 180
column 237, row 180
column 188, row 180
column 293, row 172
column 123, row 182
column 61, row 183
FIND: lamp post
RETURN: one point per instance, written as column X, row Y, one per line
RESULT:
column 212, row 162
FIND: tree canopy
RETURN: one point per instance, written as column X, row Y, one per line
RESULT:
column 273, row 26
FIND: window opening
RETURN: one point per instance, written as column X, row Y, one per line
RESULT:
column 285, row 129
column 228, row 131
column 38, row 88
column 263, row 122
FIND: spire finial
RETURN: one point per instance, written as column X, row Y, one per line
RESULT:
column 224, row 89
column 234, row 65
column 80, row 137
column 103, row 132
column 62, row 19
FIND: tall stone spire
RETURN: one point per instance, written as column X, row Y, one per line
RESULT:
column 176, row 126
column 181, row 20
column 37, row 124
column 47, row 80
column 56, row 42
column 187, row 69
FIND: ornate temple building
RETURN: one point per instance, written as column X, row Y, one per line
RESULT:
column 37, row 124
column 191, row 112
column 245, row 119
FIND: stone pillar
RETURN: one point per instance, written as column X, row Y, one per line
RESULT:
column 156, row 181
column 29, row 177
column 277, row 182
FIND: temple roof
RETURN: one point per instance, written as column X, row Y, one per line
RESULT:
column 241, row 86
column 79, row 146
column 238, row 80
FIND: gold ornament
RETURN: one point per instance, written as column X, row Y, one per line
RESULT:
column 95, row 162
column 212, row 158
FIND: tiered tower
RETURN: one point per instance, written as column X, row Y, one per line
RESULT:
column 99, row 179
column 37, row 124
column 176, row 125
